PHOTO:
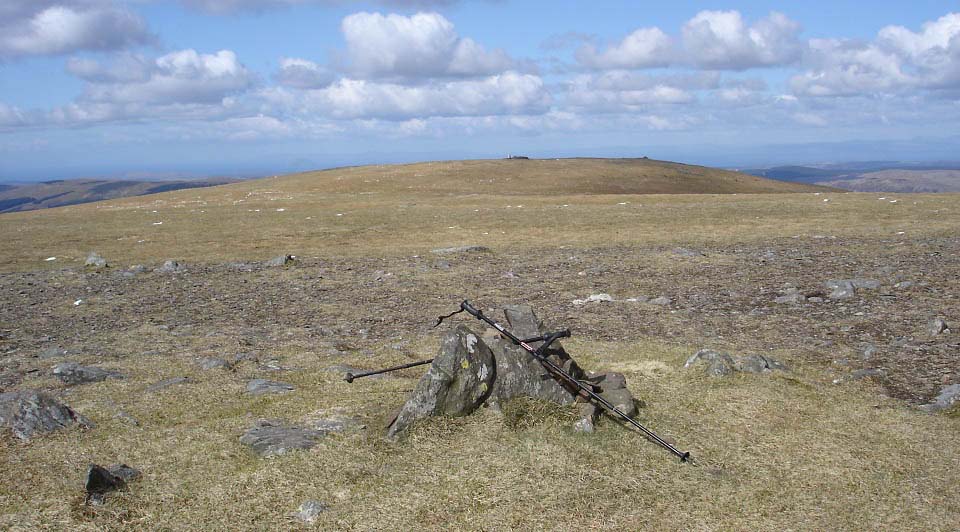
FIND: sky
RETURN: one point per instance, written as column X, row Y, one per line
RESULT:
column 154, row 88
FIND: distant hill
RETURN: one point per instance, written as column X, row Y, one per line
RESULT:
column 901, row 181
column 58, row 193
column 871, row 176
column 537, row 176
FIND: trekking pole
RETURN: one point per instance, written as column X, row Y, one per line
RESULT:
column 538, row 354
column 350, row 376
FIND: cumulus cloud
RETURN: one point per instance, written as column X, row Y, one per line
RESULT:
column 223, row 7
column 644, row 48
column 425, row 44
column 898, row 60
column 722, row 40
column 621, row 91
column 303, row 74
column 507, row 93
column 47, row 27
column 11, row 116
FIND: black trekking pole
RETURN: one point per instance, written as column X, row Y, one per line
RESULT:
column 538, row 354
column 350, row 376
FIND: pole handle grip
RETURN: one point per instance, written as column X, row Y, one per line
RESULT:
column 469, row 308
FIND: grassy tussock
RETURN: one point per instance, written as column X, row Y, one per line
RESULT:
column 773, row 452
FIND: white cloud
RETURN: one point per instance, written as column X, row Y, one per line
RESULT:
column 11, row 116
column 303, row 74
column 181, row 77
column 223, row 7
column 424, row 44
column 624, row 91
column 507, row 93
column 644, row 48
column 897, row 61
column 45, row 27
column 722, row 40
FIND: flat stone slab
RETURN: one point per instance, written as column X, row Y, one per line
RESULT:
column 72, row 373
column 949, row 396
column 31, row 412
column 460, row 249
column 719, row 364
column 263, row 386
column 274, row 437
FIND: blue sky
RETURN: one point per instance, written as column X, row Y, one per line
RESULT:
column 256, row 87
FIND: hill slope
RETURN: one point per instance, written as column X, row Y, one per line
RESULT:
column 59, row 193
column 901, row 181
column 541, row 177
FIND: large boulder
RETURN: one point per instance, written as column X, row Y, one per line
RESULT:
column 458, row 381
column 30, row 412
column 72, row 373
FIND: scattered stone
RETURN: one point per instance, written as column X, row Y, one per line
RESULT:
column 95, row 261
column 171, row 266
column 840, row 289
column 208, row 363
column 309, row 511
column 102, row 480
column 721, row 364
column 937, row 326
column 71, row 373
column 949, row 395
column 137, row 269
column 263, row 386
column 717, row 364
column 861, row 374
column 29, row 412
column 638, row 299
column 791, row 296
column 903, row 285
column 273, row 437
column 595, row 298
column 441, row 265
column 53, row 352
column 458, row 381
column 868, row 352
column 282, row 260
column 337, row 420
column 684, row 252
column 865, row 284
column 460, row 249
column 660, row 301
column 274, row 365
column 127, row 418
column 166, row 383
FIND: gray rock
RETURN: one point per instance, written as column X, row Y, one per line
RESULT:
column 937, row 326
column 717, row 364
column 458, row 381
column 53, row 352
column 903, row 285
column 460, row 249
column 127, row 418
column 208, row 363
column 337, row 420
column 72, row 373
column 865, row 284
column 102, row 480
column 869, row 351
column 862, row 374
column 791, row 296
column 30, row 412
column 840, row 289
column 263, row 386
column 949, row 396
column 282, row 260
column 137, row 269
column 272, row 437
column 95, row 261
column 662, row 301
column 758, row 364
column 171, row 266
column 594, row 298
column 684, row 252
column 166, row 383
column 310, row 510
column 441, row 265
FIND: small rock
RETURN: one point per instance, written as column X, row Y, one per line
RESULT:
column 95, row 261
column 903, row 285
column 166, row 383
column 718, row 364
column 282, row 260
column 263, row 386
column 868, row 352
column 791, row 296
column 937, row 326
column 684, row 252
column 949, row 395
column 441, row 265
column 861, row 374
column 595, row 298
column 214, row 363
column 272, row 437
column 102, row 480
column 30, row 412
column 758, row 364
column 127, row 418
column 52, row 352
column 865, row 284
column 334, row 420
column 460, row 249
column 660, row 301
column 840, row 289
column 171, row 266
column 310, row 510
column 72, row 373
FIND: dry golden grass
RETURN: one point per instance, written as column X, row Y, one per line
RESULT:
column 780, row 452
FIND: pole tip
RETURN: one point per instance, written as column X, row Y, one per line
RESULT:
column 349, row 378
column 685, row 457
